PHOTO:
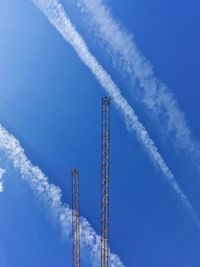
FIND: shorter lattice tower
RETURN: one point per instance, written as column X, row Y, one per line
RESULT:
column 75, row 219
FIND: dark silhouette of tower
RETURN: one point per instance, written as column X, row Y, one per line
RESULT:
column 75, row 219
column 105, row 173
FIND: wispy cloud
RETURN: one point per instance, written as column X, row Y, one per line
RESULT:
column 59, row 19
column 51, row 195
column 2, row 172
column 156, row 96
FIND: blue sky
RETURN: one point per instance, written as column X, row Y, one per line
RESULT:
column 50, row 102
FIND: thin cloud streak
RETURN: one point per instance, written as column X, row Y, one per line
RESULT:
column 51, row 195
column 59, row 19
column 156, row 96
column 2, row 172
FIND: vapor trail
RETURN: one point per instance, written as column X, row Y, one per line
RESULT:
column 51, row 195
column 156, row 96
column 59, row 19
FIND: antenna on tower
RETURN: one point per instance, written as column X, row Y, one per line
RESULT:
column 105, row 173
column 75, row 219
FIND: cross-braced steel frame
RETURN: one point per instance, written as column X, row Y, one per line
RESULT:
column 75, row 219
column 105, row 173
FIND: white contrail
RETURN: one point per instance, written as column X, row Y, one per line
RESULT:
column 51, row 195
column 156, row 96
column 59, row 19
column 2, row 172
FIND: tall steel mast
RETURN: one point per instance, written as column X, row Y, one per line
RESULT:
column 105, row 173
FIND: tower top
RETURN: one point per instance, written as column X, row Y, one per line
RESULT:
column 75, row 172
column 105, row 100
